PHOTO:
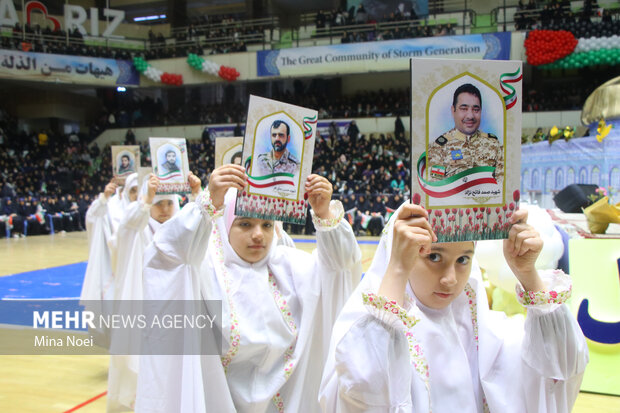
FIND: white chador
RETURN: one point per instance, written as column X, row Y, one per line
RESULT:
column 277, row 314
column 464, row 358
column 135, row 233
column 102, row 220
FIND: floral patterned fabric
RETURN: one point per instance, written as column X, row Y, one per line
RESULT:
column 559, row 290
column 395, row 311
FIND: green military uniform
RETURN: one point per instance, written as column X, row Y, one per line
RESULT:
column 455, row 152
column 268, row 164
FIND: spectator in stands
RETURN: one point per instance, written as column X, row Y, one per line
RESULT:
column 130, row 137
column 353, row 132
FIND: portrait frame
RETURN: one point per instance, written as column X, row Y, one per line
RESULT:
column 468, row 180
column 118, row 152
column 227, row 148
column 173, row 176
column 275, row 181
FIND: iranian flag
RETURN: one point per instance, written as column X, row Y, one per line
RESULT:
column 454, row 184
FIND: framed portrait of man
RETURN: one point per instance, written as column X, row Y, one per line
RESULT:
column 277, row 155
column 228, row 150
column 125, row 161
column 466, row 137
column 170, row 164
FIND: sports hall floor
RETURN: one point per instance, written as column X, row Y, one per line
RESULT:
column 53, row 266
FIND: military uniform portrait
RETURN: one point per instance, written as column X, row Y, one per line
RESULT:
column 465, row 146
column 125, row 161
column 170, row 164
column 168, row 160
column 279, row 158
column 126, row 164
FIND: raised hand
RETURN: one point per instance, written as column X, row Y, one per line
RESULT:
column 319, row 191
column 412, row 237
column 151, row 188
column 223, row 178
column 110, row 189
column 521, row 250
column 194, row 183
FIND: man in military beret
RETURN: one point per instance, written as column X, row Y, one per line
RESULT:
column 465, row 146
column 279, row 159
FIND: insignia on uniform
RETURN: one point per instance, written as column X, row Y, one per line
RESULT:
column 456, row 155
column 438, row 170
column 492, row 136
column 441, row 140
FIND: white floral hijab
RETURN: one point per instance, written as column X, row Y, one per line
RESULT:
column 469, row 307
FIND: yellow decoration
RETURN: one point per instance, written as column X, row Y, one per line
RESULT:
column 603, row 130
column 600, row 214
column 569, row 132
column 554, row 134
column 553, row 131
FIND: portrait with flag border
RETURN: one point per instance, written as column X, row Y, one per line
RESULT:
column 170, row 165
column 125, row 161
column 466, row 137
column 277, row 154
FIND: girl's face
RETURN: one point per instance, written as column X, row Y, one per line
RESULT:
column 162, row 211
column 439, row 277
column 133, row 193
column 251, row 238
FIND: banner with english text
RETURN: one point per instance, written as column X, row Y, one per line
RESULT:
column 380, row 56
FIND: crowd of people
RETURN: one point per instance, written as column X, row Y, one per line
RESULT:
column 208, row 35
column 557, row 15
column 34, row 38
column 48, row 179
column 132, row 110
column 337, row 19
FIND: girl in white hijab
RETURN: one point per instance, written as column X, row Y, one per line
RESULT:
column 417, row 334
column 102, row 219
column 278, row 303
column 140, row 223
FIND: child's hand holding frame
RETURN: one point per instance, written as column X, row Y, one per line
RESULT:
column 319, row 191
column 521, row 250
column 413, row 236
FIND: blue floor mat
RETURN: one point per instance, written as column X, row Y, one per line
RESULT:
column 57, row 282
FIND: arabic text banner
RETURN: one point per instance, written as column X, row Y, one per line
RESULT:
column 66, row 69
column 379, row 56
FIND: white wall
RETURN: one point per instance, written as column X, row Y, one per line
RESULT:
column 549, row 119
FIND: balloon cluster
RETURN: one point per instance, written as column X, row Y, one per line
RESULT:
column 210, row 67
column 228, row 73
column 595, row 43
column 195, row 61
column 547, row 46
column 140, row 64
column 156, row 75
column 172, row 79
column 153, row 74
column 207, row 66
column 585, row 59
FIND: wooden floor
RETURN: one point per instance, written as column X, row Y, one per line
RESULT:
column 62, row 383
